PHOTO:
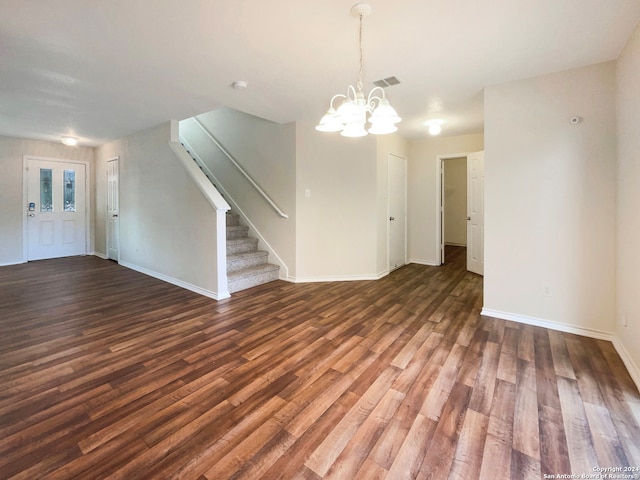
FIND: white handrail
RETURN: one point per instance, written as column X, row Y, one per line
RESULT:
column 241, row 170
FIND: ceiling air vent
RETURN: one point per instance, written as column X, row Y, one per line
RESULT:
column 386, row 82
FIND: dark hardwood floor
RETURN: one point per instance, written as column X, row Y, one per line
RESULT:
column 108, row 373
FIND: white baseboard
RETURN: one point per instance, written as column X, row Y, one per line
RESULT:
column 541, row 322
column 11, row 263
column 343, row 278
column 632, row 368
column 100, row 255
column 177, row 282
column 428, row 263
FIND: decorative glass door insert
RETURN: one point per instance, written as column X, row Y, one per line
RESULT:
column 69, row 182
column 46, row 190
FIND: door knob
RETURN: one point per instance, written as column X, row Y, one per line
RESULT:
column 468, row 219
column 32, row 215
column 392, row 218
column 115, row 215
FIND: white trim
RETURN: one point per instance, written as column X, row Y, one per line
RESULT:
column 99, row 255
column 11, row 263
column 25, row 200
column 632, row 368
column 177, row 282
column 345, row 278
column 429, row 263
column 541, row 322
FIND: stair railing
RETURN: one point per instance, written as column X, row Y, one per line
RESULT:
column 242, row 170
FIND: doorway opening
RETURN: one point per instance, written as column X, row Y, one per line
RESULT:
column 460, row 218
column 454, row 204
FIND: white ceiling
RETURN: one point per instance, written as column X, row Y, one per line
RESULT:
column 104, row 69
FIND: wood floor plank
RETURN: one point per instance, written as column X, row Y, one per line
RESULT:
column 582, row 454
column 359, row 446
column 293, row 461
column 438, row 457
column 524, row 467
column 472, row 360
column 606, row 441
column 560, row 354
column 508, row 363
column 392, row 438
column 526, row 437
column 482, row 394
column 554, row 454
column 496, row 458
column 370, row 470
column 108, row 373
column 407, row 462
column 467, row 460
column 324, row 456
column 440, row 391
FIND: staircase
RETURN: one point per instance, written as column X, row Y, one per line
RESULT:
column 246, row 265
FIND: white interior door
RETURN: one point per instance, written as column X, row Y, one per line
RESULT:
column 475, row 212
column 397, row 201
column 113, row 210
column 56, row 225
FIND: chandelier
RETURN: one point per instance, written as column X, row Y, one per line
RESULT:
column 351, row 116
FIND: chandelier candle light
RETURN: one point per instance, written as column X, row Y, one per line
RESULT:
column 350, row 117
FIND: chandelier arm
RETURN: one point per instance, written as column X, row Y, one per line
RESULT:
column 350, row 89
column 338, row 95
column 371, row 98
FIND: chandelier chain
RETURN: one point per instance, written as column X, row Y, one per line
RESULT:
column 360, row 73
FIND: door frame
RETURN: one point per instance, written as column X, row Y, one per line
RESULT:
column 404, row 159
column 25, row 200
column 116, row 159
column 440, row 200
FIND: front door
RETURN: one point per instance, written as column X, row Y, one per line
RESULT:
column 397, row 212
column 56, row 224
column 475, row 212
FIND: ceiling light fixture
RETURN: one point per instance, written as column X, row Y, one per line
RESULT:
column 70, row 141
column 435, row 126
column 350, row 118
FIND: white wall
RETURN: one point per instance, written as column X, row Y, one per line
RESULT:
column 424, row 244
column 455, row 201
column 266, row 151
column 337, row 225
column 12, row 208
column 628, row 218
column 167, row 227
column 550, row 198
